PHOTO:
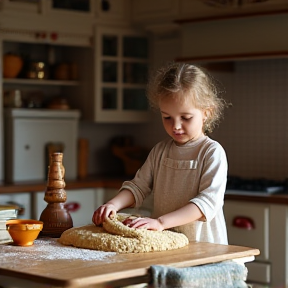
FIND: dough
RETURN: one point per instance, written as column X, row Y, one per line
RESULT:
column 114, row 236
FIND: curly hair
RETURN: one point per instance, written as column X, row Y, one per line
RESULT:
column 187, row 82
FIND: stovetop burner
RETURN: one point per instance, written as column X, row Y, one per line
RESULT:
column 255, row 185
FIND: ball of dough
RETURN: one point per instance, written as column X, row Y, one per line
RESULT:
column 114, row 236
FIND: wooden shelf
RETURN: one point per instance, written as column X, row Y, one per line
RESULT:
column 40, row 82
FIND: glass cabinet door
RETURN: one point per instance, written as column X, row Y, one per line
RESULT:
column 122, row 70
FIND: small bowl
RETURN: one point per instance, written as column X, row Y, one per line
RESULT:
column 24, row 231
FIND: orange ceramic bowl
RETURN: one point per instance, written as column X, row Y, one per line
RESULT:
column 24, row 231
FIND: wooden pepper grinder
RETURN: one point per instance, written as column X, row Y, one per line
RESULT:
column 55, row 216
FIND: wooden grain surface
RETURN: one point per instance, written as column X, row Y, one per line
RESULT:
column 78, row 273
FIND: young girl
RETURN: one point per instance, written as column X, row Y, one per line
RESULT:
column 187, row 173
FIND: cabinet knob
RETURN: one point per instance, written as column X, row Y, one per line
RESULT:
column 243, row 222
column 54, row 36
column 72, row 206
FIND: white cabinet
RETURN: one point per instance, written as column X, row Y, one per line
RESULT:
column 231, row 38
column 21, row 199
column 28, row 132
column 66, row 51
column 248, row 225
column 121, row 65
column 263, row 226
column 73, row 17
column 81, row 204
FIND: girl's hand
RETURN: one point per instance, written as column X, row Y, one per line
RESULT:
column 147, row 223
column 103, row 212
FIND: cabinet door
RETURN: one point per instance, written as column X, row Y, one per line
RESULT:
column 121, row 75
column 25, row 147
column 248, row 225
column 21, row 199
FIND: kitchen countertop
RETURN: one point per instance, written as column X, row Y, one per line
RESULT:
column 100, row 181
column 115, row 268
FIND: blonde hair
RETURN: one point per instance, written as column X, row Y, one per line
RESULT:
column 187, row 82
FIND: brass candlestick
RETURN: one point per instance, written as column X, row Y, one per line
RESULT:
column 55, row 216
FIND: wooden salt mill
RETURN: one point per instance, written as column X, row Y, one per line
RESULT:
column 55, row 216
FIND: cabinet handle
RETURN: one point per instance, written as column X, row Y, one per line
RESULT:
column 243, row 222
column 72, row 206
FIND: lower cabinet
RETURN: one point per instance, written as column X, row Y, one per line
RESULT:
column 81, row 204
column 263, row 226
column 23, row 200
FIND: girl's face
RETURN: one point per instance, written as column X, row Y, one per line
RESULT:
column 182, row 121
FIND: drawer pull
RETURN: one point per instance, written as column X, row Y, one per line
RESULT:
column 243, row 223
column 72, row 206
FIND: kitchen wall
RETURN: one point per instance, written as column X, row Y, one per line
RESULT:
column 253, row 131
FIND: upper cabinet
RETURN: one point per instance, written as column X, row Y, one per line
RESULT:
column 74, row 17
column 152, row 12
column 205, row 9
column 261, row 36
column 121, row 69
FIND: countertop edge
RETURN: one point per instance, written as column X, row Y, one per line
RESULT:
column 116, row 182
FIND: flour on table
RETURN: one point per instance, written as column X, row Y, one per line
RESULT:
column 114, row 236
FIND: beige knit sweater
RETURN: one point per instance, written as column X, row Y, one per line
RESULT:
column 176, row 175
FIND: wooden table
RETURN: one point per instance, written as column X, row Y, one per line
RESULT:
column 118, row 269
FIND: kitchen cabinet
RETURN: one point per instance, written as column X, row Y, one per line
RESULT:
column 241, row 38
column 21, row 199
column 197, row 10
column 51, row 16
column 28, row 134
column 65, row 78
column 263, row 226
column 121, row 70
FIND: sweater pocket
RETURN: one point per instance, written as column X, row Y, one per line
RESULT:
column 180, row 164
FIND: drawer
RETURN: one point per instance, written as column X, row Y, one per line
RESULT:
column 255, row 236
column 259, row 272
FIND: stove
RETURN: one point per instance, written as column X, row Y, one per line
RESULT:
column 259, row 186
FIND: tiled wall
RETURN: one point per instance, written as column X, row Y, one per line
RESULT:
column 254, row 132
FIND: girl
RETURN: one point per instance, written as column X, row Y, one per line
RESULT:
column 187, row 173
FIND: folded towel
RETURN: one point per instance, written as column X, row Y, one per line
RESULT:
column 226, row 274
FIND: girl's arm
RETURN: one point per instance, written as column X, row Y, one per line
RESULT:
column 122, row 200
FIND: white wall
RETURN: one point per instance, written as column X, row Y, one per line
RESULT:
column 254, row 131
